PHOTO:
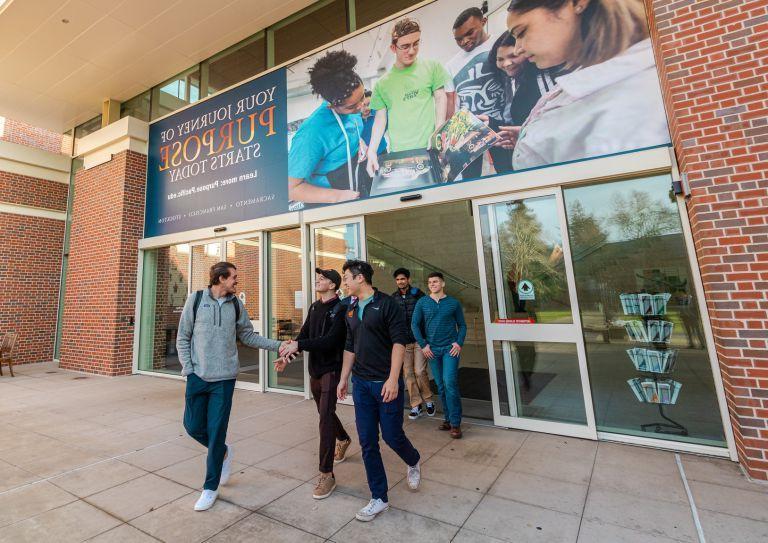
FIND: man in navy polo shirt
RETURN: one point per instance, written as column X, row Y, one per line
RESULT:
column 376, row 338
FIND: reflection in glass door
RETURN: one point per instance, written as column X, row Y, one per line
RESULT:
column 245, row 255
column 649, row 360
column 538, row 368
column 332, row 245
column 285, row 303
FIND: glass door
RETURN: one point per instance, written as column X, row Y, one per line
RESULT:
column 285, row 304
column 333, row 243
column 535, row 347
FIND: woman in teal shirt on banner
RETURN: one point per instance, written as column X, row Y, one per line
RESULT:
column 324, row 154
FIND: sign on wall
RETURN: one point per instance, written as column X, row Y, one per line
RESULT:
column 444, row 94
column 222, row 161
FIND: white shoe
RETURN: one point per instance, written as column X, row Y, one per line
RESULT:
column 374, row 507
column 226, row 467
column 414, row 476
column 207, row 499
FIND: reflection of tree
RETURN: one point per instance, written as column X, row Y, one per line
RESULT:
column 637, row 216
column 588, row 241
column 526, row 255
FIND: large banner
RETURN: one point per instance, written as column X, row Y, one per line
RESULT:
column 448, row 93
column 222, row 161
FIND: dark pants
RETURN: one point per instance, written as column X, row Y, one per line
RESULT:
column 370, row 413
column 206, row 417
column 331, row 429
column 502, row 163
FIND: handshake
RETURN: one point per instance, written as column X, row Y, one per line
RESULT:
column 287, row 352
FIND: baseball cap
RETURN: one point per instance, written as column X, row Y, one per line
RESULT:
column 331, row 275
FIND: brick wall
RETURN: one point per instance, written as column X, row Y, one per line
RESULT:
column 30, row 191
column 32, row 136
column 712, row 62
column 30, row 265
column 30, row 268
column 107, row 219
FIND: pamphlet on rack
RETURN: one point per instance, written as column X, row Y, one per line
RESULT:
column 649, row 390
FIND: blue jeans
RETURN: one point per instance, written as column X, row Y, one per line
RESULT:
column 206, row 417
column 370, row 413
column 445, row 370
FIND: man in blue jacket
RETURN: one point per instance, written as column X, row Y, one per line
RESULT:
column 439, row 328
column 376, row 336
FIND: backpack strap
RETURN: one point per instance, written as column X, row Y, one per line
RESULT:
column 198, row 298
column 237, row 311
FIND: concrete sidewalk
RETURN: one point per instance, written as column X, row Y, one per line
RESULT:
column 106, row 460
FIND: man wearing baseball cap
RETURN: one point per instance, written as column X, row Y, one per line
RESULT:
column 323, row 335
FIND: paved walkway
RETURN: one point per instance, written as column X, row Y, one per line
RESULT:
column 106, row 460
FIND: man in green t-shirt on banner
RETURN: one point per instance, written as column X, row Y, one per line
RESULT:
column 411, row 95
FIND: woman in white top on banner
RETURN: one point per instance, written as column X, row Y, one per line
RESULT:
column 610, row 101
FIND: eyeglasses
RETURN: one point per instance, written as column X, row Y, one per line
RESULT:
column 406, row 46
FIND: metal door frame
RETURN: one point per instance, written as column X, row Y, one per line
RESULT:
column 554, row 333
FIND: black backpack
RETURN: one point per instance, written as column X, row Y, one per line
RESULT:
column 198, row 299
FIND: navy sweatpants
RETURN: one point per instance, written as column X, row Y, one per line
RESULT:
column 206, row 417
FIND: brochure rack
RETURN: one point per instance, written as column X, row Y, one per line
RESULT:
column 654, row 360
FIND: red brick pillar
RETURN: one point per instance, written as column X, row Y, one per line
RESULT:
column 107, row 222
column 712, row 62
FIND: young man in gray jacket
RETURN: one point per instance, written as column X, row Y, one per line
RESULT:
column 206, row 342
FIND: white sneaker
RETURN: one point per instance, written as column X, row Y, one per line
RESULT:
column 374, row 507
column 226, row 467
column 414, row 476
column 207, row 499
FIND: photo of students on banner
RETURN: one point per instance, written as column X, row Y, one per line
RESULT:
column 323, row 162
column 458, row 90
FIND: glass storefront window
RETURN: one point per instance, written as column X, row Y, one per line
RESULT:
column 165, row 284
column 176, row 93
column 648, row 362
column 88, row 127
column 370, row 11
column 138, row 107
column 237, row 64
column 314, row 28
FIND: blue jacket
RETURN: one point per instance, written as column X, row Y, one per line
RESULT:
column 438, row 324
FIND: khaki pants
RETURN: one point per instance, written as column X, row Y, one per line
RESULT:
column 415, row 374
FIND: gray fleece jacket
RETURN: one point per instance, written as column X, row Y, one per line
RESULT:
column 210, row 350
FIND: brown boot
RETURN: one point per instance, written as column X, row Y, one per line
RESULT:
column 456, row 432
column 445, row 426
column 325, row 486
